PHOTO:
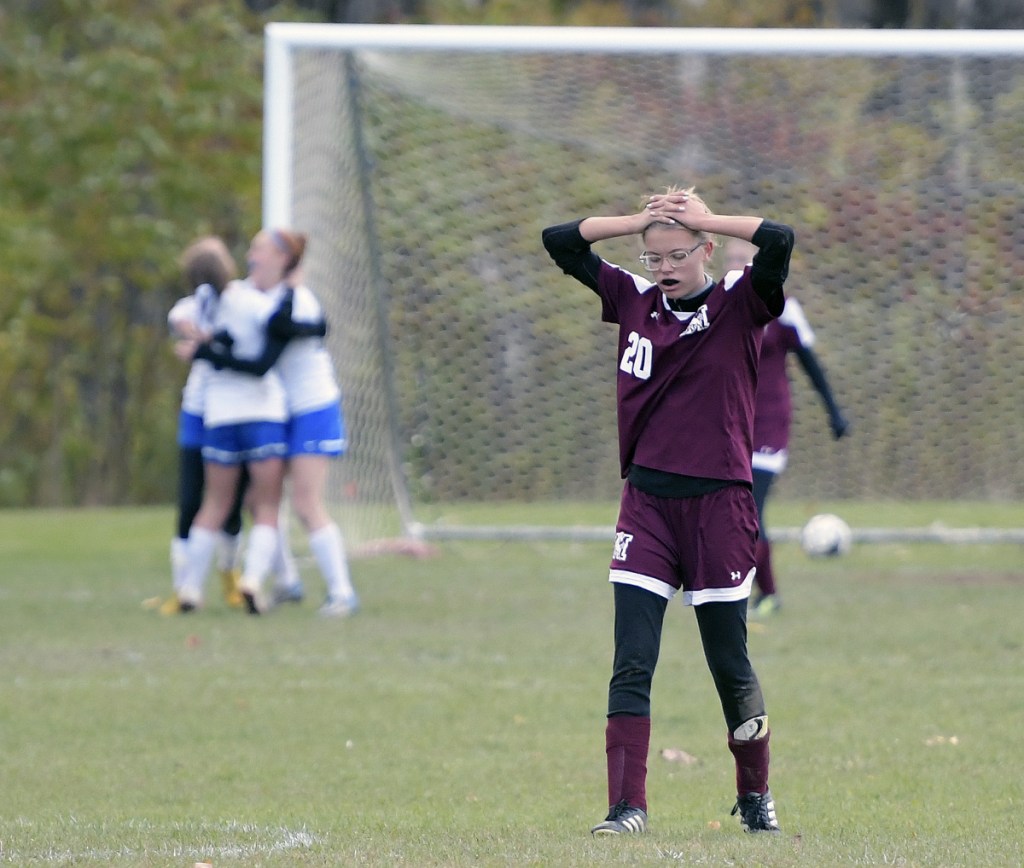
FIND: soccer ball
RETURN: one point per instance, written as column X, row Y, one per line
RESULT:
column 826, row 535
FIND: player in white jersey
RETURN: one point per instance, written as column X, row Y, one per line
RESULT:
column 316, row 433
column 208, row 266
column 244, row 420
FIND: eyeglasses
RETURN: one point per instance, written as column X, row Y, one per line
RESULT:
column 654, row 261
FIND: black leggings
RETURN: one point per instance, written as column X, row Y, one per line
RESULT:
column 639, row 616
column 763, row 480
column 190, row 493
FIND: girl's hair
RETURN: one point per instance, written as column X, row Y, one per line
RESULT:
column 292, row 243
column 208, row 260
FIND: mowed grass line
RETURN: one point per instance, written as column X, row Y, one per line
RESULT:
column 458, row 720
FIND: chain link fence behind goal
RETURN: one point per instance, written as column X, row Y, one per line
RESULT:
column 424, row 162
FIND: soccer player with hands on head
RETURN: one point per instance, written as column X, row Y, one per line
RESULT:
column 688, row 352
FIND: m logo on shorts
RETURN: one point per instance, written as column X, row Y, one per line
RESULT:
column 622, row 541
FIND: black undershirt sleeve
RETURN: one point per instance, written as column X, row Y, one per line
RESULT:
column 812, row 367
column 809, row 362
column 281, row 328
column 220, row 356
column 771, row 263
column 571, row 252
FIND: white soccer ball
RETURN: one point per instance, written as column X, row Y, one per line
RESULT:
column 826, row 535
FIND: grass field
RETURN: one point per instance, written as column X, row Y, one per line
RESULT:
column 458, row 720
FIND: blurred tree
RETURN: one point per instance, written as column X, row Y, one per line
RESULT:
column 128, row 129
column 349, row 11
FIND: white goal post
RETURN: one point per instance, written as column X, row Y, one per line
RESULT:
column 282, row 39
column 387, row 144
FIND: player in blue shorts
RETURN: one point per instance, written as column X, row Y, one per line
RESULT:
column 245, row 426
column 688, row 352
column 208, row 267
column 316, row 432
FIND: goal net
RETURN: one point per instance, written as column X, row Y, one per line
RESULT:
column 424, row 162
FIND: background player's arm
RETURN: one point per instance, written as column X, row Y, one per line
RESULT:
column 809, row 362
column 220, row 356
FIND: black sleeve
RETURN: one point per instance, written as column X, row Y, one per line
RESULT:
column 286, row 329
column 771, row 262
column 221, row 357
column 281, row 325
column 571, row 252
column 816, row 374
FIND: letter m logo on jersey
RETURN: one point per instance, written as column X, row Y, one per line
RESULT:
column 622, row 541
column 698, row 322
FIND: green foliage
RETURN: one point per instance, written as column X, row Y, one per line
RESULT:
column 614, row 13
column 138, row 128
column 130, row 128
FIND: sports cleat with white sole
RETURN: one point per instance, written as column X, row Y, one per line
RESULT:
column 339, row 607
column 622, row 819
column 255, row 600
column 757, row 812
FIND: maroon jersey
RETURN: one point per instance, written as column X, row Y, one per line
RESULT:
column 773, row 406
column 686, row 381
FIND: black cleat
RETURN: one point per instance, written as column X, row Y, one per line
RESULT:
column 622, row 820
column 757, row 812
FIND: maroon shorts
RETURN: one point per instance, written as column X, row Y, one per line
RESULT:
column 703, row 545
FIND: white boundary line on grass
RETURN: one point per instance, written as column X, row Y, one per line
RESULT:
column 288, row 840
column 932, row 534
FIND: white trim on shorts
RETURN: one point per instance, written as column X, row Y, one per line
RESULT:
column 721, row 595
column 638, row 580
column 689, row 598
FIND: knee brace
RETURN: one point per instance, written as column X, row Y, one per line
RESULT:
column 752, row 730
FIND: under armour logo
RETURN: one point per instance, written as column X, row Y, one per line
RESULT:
column 622, row 541
column 735, row 576
column 698, row 322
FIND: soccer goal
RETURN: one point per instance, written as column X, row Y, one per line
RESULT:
column 424, row 160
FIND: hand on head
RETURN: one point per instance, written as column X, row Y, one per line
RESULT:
column 675, row 208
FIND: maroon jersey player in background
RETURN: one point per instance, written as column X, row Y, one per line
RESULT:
column 773, row 413
column 687, row 370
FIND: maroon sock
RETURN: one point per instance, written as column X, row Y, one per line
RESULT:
column 763, row 558
column 751, row 764
column 627, row 741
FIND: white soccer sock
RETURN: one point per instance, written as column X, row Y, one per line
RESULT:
column 228, row 546
column 328, row 547
column 201, row 546
column 179, row 562
column 285, row 571
column 260, row 554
